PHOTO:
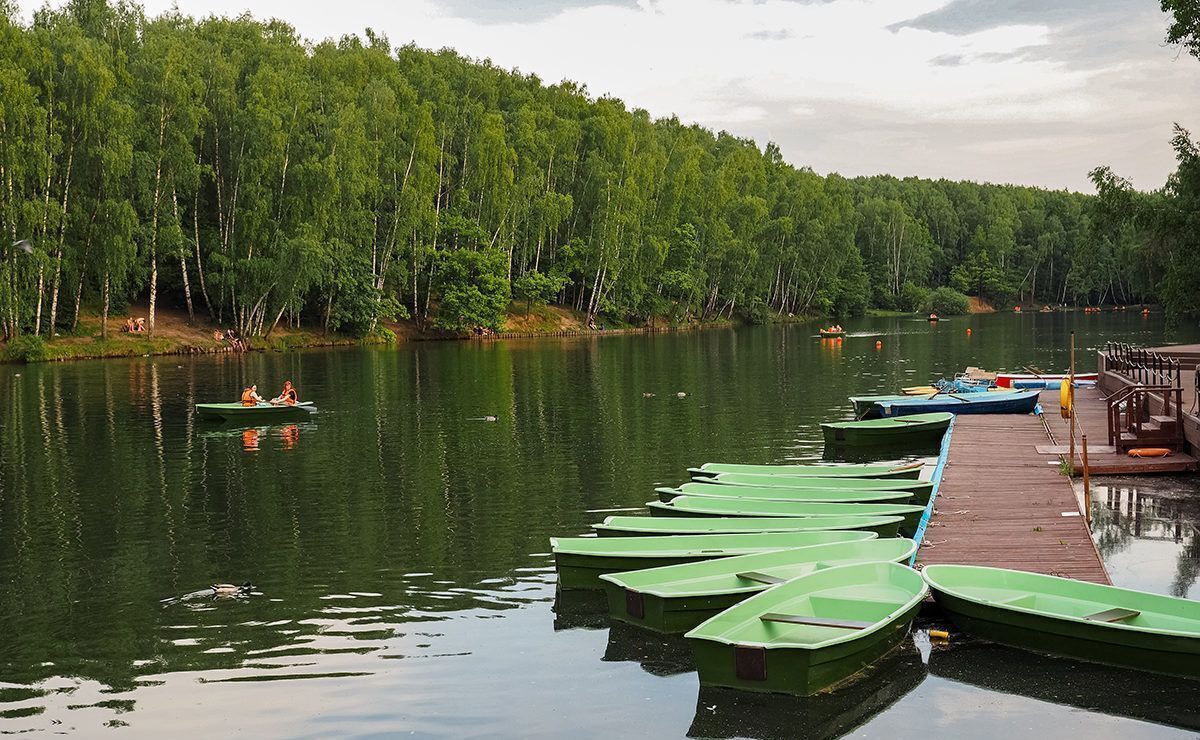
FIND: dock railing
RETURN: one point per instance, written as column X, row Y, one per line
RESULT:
column 1142, row 365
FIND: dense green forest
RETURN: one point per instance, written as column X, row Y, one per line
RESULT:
column 233, row 168
column 1164, row 224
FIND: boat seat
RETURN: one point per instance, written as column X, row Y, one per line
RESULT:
column 848, row 624
column 761, row 577
column 1116, row 614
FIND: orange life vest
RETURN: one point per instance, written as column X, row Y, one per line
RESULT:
column 248, row 398
column 289, row 396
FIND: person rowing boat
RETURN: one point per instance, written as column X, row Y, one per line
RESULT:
column 287, row 396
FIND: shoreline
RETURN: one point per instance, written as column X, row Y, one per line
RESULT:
column 125, row 346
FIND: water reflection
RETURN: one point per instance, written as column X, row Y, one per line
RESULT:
column 657, row 654
column 724, row 713
column 1146, row 530
column 1090, row 686
column 399, row 549
column 576, row 609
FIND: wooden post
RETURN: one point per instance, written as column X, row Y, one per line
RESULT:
column 1087, row 485
column 1071, row 399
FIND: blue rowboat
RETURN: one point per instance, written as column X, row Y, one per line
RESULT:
column 1015, row 402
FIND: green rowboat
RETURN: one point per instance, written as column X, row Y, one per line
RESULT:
column 625, row 526
column 1104, row 624
column 812, row 471
column 811, row 632
column 581, row 560
column 701, row 506
column 857, row 484
column 262, row 410
column 676, row 598
column 921, row 488
column 903, row 430
column 829, row 495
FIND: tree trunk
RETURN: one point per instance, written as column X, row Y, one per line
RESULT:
column 196, row 244
column 104, row 309
column 187, row 287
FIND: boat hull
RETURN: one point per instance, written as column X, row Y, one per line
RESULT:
column 810, row 471
column 228, row 411
column 641, row 526
column 810, row 632
column 1167, row 654
column 652, row 599
column 885, row 431
column 686, row 506
column 1045, row 614
column 1011, row 402
column 753, row 480
column 800, row 671
column 836, row 495
column 582, row 569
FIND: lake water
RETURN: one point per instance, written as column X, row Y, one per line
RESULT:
column 398, row 542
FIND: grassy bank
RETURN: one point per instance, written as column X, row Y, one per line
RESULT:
column 174, row 335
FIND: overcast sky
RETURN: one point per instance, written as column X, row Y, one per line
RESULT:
column 1026, row 91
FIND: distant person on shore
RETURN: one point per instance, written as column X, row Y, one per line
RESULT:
column 139, row 325
column 286, row 396
column 250, row 396
column 130, row 326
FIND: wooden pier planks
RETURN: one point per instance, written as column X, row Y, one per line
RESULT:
column 1001, row 503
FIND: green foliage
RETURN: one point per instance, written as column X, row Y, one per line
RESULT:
column 1164, row 226
column 536, row 287
column 474, row 290
column 947, row 302
column 914, row 297
column 27, row 348
column 230, row 165
column 1185, row 24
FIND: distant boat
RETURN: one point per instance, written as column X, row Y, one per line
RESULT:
column 934, row 317
column 811, row 632
column 830, row 333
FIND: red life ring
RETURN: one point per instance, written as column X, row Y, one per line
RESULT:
column 1149, row 452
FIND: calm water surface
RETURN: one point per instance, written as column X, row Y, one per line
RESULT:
column 398, row 543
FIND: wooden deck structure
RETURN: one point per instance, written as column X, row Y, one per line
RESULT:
column 1091, row 413
column 1002, row 504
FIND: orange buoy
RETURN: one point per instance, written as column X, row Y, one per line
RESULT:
column 878, row 344
column 968, row 332
column 1149, row 452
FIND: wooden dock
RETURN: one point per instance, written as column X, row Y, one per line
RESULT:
column 1091, row 414
column 1002, row 504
